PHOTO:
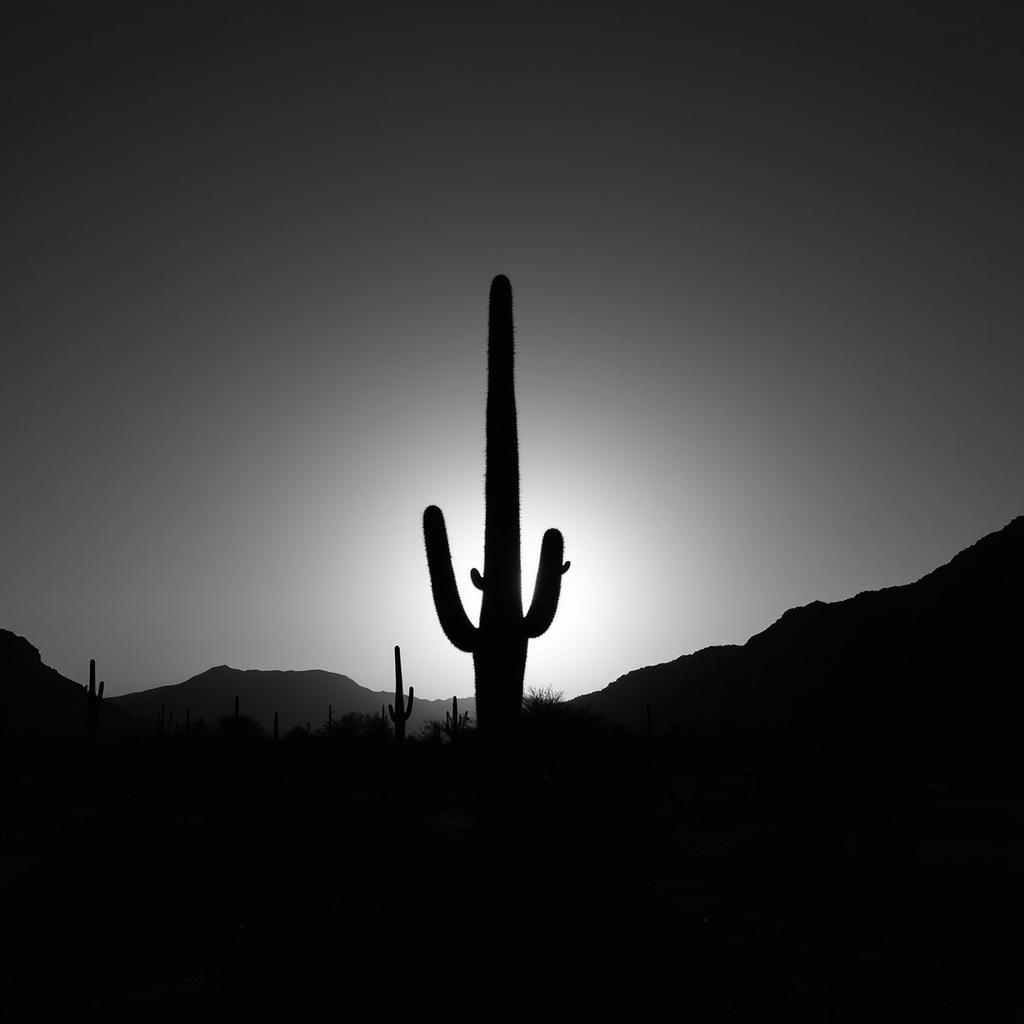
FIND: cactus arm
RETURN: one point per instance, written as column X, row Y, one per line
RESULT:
column 391, row 711
column 478, row 580
column 549, row 585
column 408, row 703
column 454, row 621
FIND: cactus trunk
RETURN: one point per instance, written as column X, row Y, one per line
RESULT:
column 93, row 700
column 454, row 723
column 400, row 712
column 499, row 643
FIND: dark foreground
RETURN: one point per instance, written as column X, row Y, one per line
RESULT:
column 221, row 874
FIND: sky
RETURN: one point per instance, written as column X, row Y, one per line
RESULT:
column 766, row 264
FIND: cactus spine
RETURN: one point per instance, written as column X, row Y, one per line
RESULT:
column 499, row 643
column 399, row 715
column 93, row 700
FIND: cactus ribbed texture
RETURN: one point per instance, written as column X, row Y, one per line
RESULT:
column 400, row 715
column 499, row 643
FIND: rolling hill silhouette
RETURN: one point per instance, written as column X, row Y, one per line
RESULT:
column 925, row 669
column 298, row 697
column 37, row 701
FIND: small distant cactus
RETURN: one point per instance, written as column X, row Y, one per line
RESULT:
column 93, row 700
column 275, row 726
column 454, row 723
column 399, row 715
column 160, row 722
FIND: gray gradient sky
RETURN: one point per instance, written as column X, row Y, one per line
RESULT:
column 766, row 263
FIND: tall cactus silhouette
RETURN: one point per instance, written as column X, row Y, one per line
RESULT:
column 399, row 714
column 499, row 643
column 93, row 700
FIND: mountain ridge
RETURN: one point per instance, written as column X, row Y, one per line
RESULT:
column 297, row 695
column 896, row 654
column 889, row 661
column 37, row 701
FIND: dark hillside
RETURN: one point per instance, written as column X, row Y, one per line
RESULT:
column 37, row 701
column 926, row 668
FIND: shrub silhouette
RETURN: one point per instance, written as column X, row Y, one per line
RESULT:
column 541, row 700
column 499, row 643
column 432, row 731
column 360, row 727
column 239, row 728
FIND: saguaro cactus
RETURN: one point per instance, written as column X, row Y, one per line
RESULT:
column 454, row 723
column 499, row 643
column 93, row 700
column 400, row 715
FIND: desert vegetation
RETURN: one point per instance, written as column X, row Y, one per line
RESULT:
column 226, row 870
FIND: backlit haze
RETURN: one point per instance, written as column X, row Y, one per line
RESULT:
column 766, row 268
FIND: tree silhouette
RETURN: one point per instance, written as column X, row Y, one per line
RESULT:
column 499, row 643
